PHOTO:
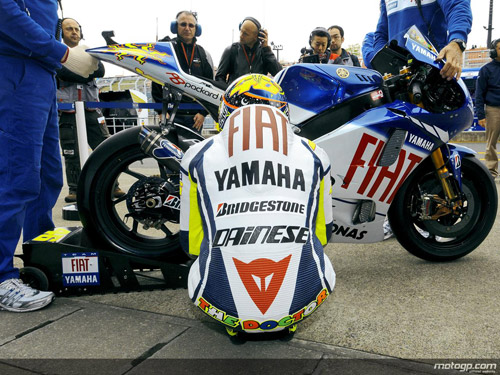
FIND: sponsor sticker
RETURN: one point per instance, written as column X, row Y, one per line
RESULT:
column 80, row 269
column 173, row 202
column 376, row 95
column 55, row 235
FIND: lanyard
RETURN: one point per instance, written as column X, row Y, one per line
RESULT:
column 189, row 62
column 249, row 61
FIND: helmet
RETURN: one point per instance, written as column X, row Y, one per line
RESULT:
column 251, row 89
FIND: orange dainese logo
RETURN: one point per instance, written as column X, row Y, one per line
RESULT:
column 262, row 279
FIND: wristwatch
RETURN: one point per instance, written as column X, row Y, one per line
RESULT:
column 460, row 43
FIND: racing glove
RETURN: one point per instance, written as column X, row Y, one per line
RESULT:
column 80, row 62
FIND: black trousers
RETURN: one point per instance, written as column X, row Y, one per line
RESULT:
column 96, row 133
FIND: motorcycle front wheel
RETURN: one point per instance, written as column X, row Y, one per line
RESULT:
column 109, row 220
column 452, row 236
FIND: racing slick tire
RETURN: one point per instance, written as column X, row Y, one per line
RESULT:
column 452, row 236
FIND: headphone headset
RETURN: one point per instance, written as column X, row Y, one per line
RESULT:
column 322, row 32
column 493, row 50
column 174, row 26
column 253, row 20
column 69, row 18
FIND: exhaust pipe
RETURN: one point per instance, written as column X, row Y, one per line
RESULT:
column 160, row 148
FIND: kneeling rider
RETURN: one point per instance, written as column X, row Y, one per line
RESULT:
column 256, row 212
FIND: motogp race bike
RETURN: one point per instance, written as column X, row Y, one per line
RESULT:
column 386, row 136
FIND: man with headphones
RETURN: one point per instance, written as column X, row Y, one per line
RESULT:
column 488, row 105
column 70, row 88
column 193, row 59
column 319, row 41
column 251, row 54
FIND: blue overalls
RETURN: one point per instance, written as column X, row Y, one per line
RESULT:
column 30, row 161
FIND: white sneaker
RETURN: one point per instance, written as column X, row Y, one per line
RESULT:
column 19, row 297
column 387, row 230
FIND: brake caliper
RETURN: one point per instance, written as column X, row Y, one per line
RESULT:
column 433, row 207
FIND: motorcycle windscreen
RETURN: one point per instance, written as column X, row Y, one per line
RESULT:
column 393, row 57
column 421, row 48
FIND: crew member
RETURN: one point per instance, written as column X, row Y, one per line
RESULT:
column 251, row 54
column 367, row 49
column 70, row 88
column 256, row 212
column 319, row 41
column 346, row 58
column 488, row 105
column 30, row 160
column 194, row 60
column 446, row 23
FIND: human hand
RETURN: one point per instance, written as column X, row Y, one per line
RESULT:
column 263, row 36
column 79, row 61
column 453, row 56
column 482, row 123
column 198, row 121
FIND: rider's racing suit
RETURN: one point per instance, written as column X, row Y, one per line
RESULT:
column 256, row 210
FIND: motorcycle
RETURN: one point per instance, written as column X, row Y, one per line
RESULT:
column 386, row 136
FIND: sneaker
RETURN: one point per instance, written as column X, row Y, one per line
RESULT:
column 387, row 230
column 70, row 198
column 118, row 193
column 19, row 297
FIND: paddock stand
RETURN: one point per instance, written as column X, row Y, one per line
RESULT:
column 65, row 261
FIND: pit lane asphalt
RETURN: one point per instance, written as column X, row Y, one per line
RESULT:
column 386, row 303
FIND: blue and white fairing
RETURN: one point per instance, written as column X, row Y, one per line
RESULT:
column 158, row 62
column 157, row 57
column 356, row 147
column 451, row 122
column 313, row 88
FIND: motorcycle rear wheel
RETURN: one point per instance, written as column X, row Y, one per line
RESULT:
column 447, row 238
column 105, row 218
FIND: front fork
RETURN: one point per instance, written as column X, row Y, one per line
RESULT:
column 434, row 206
column 443, row 174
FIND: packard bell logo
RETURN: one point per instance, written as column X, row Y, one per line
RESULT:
column 262, row 279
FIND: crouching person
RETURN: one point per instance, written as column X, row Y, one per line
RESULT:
column 256, row 212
